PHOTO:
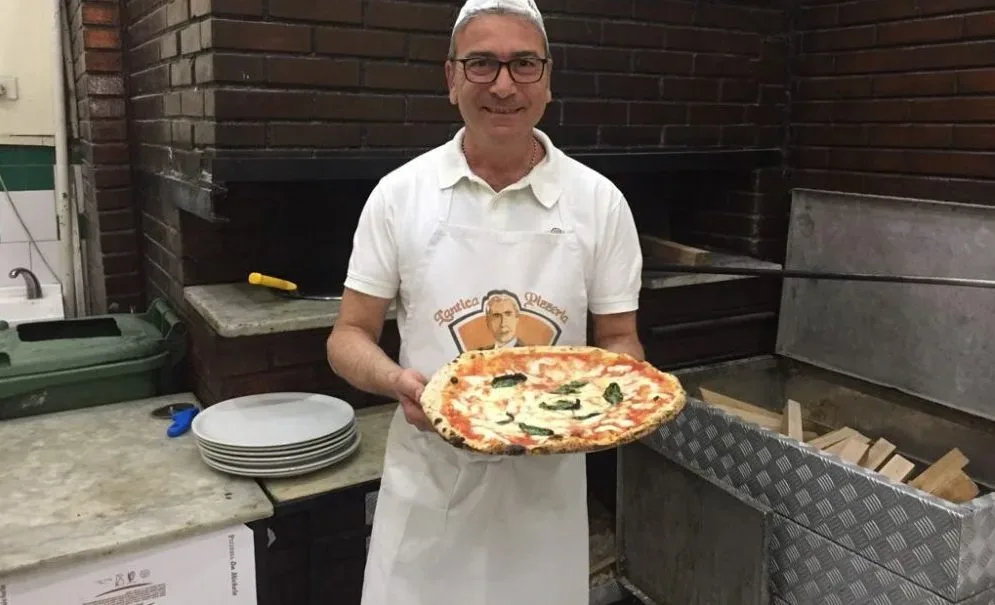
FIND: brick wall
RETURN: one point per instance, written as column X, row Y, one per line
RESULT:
column 111, row 229
column 896, row 98
column 214, row 79
column 289, row 74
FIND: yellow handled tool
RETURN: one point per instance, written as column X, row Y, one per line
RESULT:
column 258, row 279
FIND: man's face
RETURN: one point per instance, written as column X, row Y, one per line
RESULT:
column 502, row 319
column 504, row 108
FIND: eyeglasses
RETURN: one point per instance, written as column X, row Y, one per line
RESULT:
column 485, row 70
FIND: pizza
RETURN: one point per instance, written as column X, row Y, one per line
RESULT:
column 548, row 400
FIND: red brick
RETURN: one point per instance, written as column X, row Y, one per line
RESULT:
column 691, row 89
column 909, row 135
column 406, row 135
column 873, row 11
column 110, row 153
column 974, row 137
column 314, row 71
column 915, row 85
column 235, row 134
column 430, row 109
column 975, row 81
column 595, row 112
column 113, row 199
column 981, row 25
column 942, row 110
column 579, row 31
column 863, row 36
column 666, row 11
column 264, row 104
column 920, row 31
column 586, row 58
column 314, row 134
column 359, row 106
column 401, row 76
column 340, row 11
column 102, row 61
column 107, row 130
column 249, row 8
column 359, row 42
column 100, row 14
column 408, row 16
column 631, row 136
column 257, row 36
column 715, row 113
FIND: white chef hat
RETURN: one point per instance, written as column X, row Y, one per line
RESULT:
column 524, row 8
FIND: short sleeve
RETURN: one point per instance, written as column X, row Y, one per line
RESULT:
column 373, row 266
column 618, row 262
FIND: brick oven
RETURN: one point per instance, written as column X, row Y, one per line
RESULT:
column 262, row 125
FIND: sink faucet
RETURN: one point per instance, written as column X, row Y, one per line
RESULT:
column 34, row 288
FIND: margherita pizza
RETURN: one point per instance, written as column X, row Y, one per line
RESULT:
column 548, row 400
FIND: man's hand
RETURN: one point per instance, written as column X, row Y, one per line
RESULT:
column 408, row 386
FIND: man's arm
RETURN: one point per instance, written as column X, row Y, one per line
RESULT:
column 353, row 349
column 617, row 332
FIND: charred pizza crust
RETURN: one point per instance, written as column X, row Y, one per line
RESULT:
column 654, row 398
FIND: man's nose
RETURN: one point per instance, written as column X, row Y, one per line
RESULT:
column 504, row 85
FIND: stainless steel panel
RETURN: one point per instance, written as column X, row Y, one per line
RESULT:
column 808, row 569
column 932, row 341
column 686, row 539
column 917, row 536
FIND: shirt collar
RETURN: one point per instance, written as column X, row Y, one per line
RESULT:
column 543, row 180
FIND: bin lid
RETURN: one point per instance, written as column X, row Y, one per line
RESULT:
column 44, row 347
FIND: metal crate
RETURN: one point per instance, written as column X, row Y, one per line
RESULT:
column 907, row 362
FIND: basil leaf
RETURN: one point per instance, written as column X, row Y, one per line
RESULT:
column 613, row 394
column 569, row 388
column 561, row 404
column 508, row 380
column 535, row 430
column 586, row 416
column 508, row 421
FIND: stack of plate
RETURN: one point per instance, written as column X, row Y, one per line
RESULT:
column 276, row 434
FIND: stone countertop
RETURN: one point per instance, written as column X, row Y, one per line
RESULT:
column 365, row 465
column 91, row 482
column 241, row 309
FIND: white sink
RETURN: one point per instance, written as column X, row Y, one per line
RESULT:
column 15, row 308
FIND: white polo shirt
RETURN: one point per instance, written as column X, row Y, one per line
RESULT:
column 404, row 207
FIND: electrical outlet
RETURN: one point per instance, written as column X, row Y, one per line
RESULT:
column 8, row 88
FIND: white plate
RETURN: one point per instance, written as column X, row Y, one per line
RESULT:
column 270, row 420
column 253, row 461
column 290, row 450
column 284, row 471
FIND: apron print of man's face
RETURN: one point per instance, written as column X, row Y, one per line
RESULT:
column 502, row 319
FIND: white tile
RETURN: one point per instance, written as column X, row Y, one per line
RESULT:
column 10, row 228
column 13, row 255
column 50, row 251
column 37, row 210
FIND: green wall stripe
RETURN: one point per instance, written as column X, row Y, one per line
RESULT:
column 35, row 155
column 27, row 167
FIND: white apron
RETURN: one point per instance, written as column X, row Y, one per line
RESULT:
column 457, row 528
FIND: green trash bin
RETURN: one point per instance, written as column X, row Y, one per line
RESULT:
column 53, row 366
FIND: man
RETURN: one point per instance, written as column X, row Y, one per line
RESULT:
column 497, row 208
column 502, row 311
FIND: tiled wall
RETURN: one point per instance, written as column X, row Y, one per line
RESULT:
column 28, row 177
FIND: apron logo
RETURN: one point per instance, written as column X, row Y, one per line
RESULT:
column 501, row 318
